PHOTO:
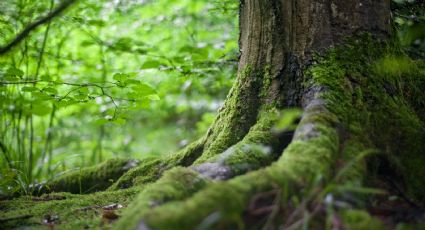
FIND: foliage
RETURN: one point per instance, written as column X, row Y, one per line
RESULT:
column 410, row 25
column 99, row 80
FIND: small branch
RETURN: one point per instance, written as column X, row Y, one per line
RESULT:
column 17, row 82
column 5, row 152
column 58, row 83
column 100, row 86
column 24, row 33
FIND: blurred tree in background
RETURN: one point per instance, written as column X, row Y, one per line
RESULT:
column 128, row 78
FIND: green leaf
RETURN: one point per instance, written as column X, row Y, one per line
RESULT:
column 86, row 43
column 399, row 20
column 50, row 90
column 120, row 77
column 123, row 44
column 36, row 95
column 80, row 97
column 151, row 64
column 143, row 104
column 201, row 54
column 178, row 59
column 12, row 71
column 46, row 77
column 187, row 49
column 65, row 102
column 288, row 118
column 143, row 90
column 132, row 82
column 40, row 109
column 101, row 121
column 84, row 91
column 140, row 50
column 154, row 97
column 119, row 121
column 10, row 78
column 78, row 19
column 197, row 53
column 98, row 23
column 29, row 89
column 133, row 95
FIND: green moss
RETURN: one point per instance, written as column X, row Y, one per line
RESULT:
column 151, row 169
column 267, row 81
column 90, row 179
column 377, row 94
column 312, row 153
column 236, row 117
column 257, row 149
column 246, row 157
column 188, row 155
column 221, row 204
column 246, row 72
column 393, row 69
column 223, row 141
column 359, row 219
column 70, row 211
column 176, row 184
column 352, row 166
column 303, row 161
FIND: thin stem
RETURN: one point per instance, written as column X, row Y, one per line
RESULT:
column 49, row 137
column 24, row 33
column 31, row 145
column 40, row 59
column 104, row 76
column 5, row 154
column 18, row 138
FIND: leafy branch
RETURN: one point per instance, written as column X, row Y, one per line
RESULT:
column 26, row 31
column 140, row 89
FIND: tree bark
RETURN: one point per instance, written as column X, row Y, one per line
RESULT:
column 277, row 41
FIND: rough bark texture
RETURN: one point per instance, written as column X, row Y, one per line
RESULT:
column 312, row 54
column 277, row 40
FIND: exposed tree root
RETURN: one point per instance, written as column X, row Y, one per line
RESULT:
column 311, row 153
column 328, row 146
column 151, row 169
column 88, row 180
column 252, row 177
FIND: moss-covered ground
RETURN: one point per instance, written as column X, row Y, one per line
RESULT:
column 65, row 210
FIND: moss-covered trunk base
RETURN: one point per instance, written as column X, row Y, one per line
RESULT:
column 355, row 161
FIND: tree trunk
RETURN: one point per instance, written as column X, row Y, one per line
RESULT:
column 277, row 42
column 319, row 55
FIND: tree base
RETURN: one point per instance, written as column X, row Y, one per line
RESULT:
column 363, row 125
